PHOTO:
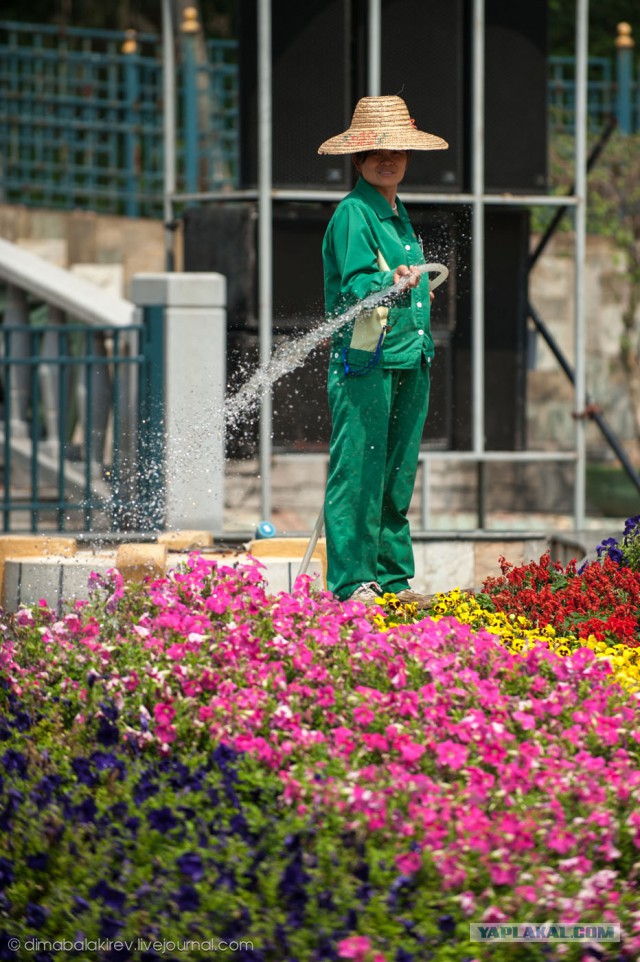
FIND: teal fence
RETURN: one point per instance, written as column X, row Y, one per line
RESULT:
column 81, row 415
column 612, row 91
column 81, row 118
column 81, row 114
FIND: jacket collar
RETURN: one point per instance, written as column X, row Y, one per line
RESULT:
column 374, row 198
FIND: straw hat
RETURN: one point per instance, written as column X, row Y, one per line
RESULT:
column 381, row 123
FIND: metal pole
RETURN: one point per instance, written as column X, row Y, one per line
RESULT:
column 582, row 13
column 169, row 110
column 624, row 76
column 373, row 70
column 189, row 31
column 265, row 241
column 477, row 242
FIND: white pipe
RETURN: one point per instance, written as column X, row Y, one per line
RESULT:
column 580, row 395
column 374, row 38
column 280, row 193
column 169, row 111
column 265, row 242
column 477, row 239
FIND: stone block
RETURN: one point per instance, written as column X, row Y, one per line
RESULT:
column 30, row 580
column 185, row 540
column 51, row 249
column 443, row 565
column 24, row 545
column 108, row 277
column 487, row 558
column 136, row 562
column 270, row 549
column 281, row 573
column 192, row 289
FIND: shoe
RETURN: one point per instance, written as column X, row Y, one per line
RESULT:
column 367, row 593
column 409, row 597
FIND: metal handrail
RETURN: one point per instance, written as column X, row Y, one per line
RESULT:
column 62, row 289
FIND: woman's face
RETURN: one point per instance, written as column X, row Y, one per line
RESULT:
column 383, row 168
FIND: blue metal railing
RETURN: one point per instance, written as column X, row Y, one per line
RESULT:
column 612, row 91
column 81, row 118
column 71, row 444
column 561, row 92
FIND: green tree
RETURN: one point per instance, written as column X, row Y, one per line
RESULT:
column 614, row 211
column 603, row 20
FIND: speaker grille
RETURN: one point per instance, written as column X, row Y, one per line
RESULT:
column 422, row 61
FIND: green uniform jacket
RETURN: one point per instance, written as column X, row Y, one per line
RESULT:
column 364, row 224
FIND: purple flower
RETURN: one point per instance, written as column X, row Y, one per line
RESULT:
column 190, row 864
column 6, row 954
column 35, row 915
column 81, row 905
column 144, row 789
column 447, row 924
column 112, row 898
column 117, row 812
column 107, row 733
column 38, row 862
column 107, row 760
column 87, row 810
column 22, row 721
column 610, row 548
column 187, row 898
column 14, row 797
column 110, row 927
column 83, row 771
column 6, row 872
column 109, row 710
column 43, row 792
column 162, row 819
column 14, row 761
column 631, row 524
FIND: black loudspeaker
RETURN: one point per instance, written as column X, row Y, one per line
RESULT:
column 319, row 51
column 516, row 96
column 422, row 60
column 221, row 237
column 314, row 87
column 505, row 323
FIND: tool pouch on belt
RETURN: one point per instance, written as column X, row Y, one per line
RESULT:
column 370, row 327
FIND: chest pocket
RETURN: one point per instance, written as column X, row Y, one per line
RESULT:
column 370, row 327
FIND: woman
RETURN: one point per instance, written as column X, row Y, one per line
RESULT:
column 379, row 372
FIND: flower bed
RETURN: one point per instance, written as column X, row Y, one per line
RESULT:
column 197, row 765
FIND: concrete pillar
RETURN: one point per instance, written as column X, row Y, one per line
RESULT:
column 195, row 374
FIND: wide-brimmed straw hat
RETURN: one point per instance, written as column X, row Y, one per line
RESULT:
column 381, row 123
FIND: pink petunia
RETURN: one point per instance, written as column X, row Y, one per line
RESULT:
column 354, row 947
column 411, row 751
column 451, row 753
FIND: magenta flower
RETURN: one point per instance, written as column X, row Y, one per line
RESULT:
column 355, row 947
column 451, row 753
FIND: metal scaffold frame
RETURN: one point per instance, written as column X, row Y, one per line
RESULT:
column 477, row 200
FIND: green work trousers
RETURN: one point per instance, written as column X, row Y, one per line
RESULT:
column 378, row 421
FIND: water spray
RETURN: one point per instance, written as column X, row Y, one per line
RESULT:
column 292, row 354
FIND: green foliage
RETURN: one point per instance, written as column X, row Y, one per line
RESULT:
column 603, row 19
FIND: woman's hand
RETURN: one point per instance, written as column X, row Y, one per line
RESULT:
column 410, row 276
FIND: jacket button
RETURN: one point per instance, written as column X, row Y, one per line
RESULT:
column 421, row 332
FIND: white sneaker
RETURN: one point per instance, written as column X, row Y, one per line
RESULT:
column 367, row 593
